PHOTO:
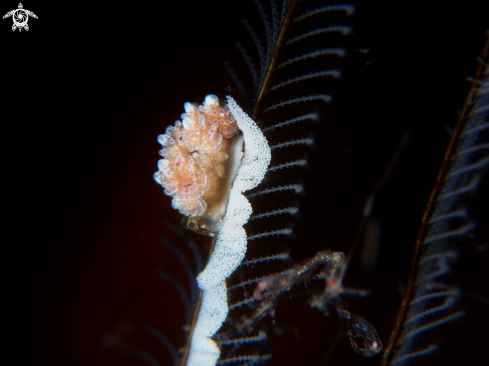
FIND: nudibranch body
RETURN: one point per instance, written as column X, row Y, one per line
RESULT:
column 202, row 153
column 181, row 171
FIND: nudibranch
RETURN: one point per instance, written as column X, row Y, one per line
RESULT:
column 206, row 171
column 201, row 155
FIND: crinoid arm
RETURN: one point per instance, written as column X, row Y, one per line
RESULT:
column 432, row 300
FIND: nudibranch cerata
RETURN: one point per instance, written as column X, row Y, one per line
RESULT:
column 202, row 154
column 206, row 171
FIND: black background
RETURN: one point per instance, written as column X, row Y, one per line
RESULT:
column 88, row 88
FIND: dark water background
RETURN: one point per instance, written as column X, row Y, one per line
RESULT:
column 88, row 88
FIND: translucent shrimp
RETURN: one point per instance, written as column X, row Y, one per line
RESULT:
column 332, row 269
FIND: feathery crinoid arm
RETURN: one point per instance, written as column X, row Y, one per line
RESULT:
column 294, row 59
column 432, row 299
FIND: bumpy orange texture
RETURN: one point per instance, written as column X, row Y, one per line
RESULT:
column 195, row 155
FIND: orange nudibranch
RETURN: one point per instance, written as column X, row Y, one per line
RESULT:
column 201, row 155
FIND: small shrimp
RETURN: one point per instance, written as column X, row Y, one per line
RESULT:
column 332, row 271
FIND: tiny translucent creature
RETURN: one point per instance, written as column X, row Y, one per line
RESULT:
column 303, row 271
column 332, row 269
column 359, row 328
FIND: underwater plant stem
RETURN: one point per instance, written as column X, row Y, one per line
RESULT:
column 423, row 230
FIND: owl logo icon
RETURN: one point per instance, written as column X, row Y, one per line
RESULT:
column 20, row 17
